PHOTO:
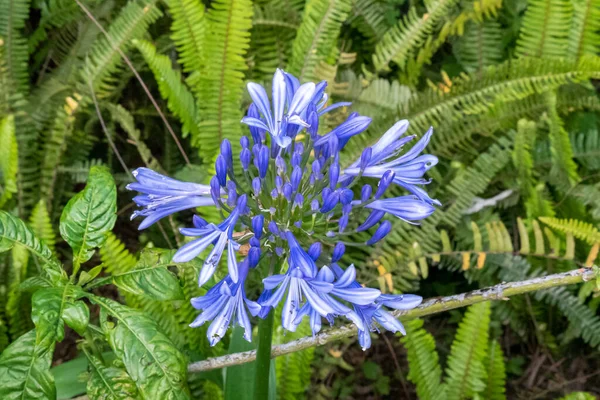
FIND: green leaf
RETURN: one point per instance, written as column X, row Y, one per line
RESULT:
column 14, row 231
column 496, row 373
column 108, row 383
column 9, row 160
column 151, row 277
column 87, row 276
column 25, row 370
column 47, row 314
column 77, row 315
column 68, row 376
column 134, row 337
column 90, row 215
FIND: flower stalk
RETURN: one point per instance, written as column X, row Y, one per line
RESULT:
column 263, row 357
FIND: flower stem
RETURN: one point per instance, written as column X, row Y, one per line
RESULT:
column 263, row 357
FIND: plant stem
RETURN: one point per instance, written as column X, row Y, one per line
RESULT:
column 263, row 357
column 431, row 306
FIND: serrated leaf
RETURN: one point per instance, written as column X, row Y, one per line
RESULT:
column 90, row 215
column 14, row 231
column 76, row 314
column 134, row 337
column 25, row 370
column 151, row 276
column 108, row 383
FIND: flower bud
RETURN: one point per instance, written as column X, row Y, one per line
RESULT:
column 256, row 184
column 338, row 252
column 314, row 251
column 380, row 233
column 227, row 153
column 296, row 178
column 371, row 220
column 384, row 183
column 365, row 193
column 245, row 157
column 258, row 223
column 221, row 169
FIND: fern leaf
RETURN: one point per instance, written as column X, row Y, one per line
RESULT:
column 466, row 372
column 317, row 35
column 560, row 145
column 179, row 99
column 496, row 373
column 522, row 154
column 584, row 37
column 115, row 257
column 580, row 229
column 188, row 32
column 104, row 59
column 543, row 32
column 480, row 46
column 410, row 33
column 13, row 15
column 579, row 396
column 41, row 225
column 9, row 159
column 221, row 82
column 423, row 362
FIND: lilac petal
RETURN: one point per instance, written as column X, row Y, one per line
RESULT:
column 315, row 322
column 218, row 328
column 334, row 106
column 364, row 339
column 255, row 122
column 315, row 301
column 291, row 305
column 301, row 98
column 390, row 136
column 297, row 120
column 276, row 297
column 243, row 320
column 347, row 278
column 279, row 100
column 356, row 319
column 326, row 275
column 261, row 100
column 361, row 296
column 417, row 148
column 388, row 321
column 272, row 281
column 210, row 313
column 400, row 302
column 190, row 250
column 321, row 286
column 232, row 264
column 212, row 261
column 253, row 307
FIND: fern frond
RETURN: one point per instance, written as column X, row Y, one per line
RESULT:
column 125, row 119
column 496, row 373
column 222, row 81
column 584, row 37
column 480, row 46
column 293, row 370
column 579, row 396
column 423, row 362
column 41, row 225
column 560, row 145
column 115, row 257
column 317, row 35
column 179, row 99
column 522, row 154
column 410, row 33
column 9, row 159
column 79, row 170
column 13, row 15
column 373, row 15
column 466, row 372
column 580, row 229
column 543, row 30
column 188, row 31
column 104, row 59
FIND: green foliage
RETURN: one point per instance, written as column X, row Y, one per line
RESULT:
column 134, row 336
column 544, row 33
column 9, row 161
column 151, row 277
column 496, row 373
column 12, row 21
column 466, row 373
column 89, row 215
column 109, row 383
column 317, row 36
column 579, row 229
column 25, row 370
column 480, row 46
column 424, row 367
column 188, row 32
column 221, row 81
column 584, row 37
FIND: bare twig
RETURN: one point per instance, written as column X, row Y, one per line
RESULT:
column 432, row 306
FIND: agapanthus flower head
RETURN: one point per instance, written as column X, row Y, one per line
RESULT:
column 290, row 208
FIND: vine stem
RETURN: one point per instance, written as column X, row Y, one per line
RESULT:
column 263, row 357
column 434, row 305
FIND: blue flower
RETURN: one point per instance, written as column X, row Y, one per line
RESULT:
column 374, row 312
column 408, row 169
column 220, row 236
column 163, row 196
column 407, row 208
column 275, row 121
column 224, row 303
column 354, row 125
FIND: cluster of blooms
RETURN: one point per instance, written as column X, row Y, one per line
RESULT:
column 284, row 188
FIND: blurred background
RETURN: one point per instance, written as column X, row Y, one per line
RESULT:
column 510, row 87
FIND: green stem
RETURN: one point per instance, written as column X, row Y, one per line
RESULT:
column 263, row 357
